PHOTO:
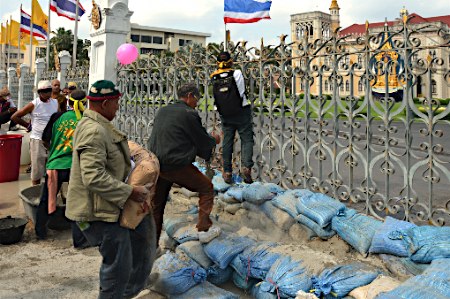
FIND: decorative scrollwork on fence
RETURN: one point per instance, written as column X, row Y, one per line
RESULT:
column 79, row 75
column 356, row 118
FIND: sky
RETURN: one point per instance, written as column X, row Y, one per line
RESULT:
column 207, row 15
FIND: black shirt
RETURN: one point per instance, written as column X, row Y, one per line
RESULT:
column 178, row 137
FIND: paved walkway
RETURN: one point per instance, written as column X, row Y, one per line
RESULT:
column 10, row 202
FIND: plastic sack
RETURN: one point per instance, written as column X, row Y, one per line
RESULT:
column 305, row 295
column 274, row 188
column 287, row 201
column 206, row 290
column 356, row 229
column 402, row 267
column 257, row 193
column 257, row 293
column 323, row 233
column 219, row 184
column 258, row 259
column 379, row 285
column 281, row 219
column 438, row 268
column 285, row 278
column 176, row 275
column 194, row 250
column 426, row 243
column 243, row 282
column 382, row 243
column 223, row 249
column 219, row 276
column 320, row 208
column 186, row 233
column 171, row 225
column 235, row 192
column 341, row 280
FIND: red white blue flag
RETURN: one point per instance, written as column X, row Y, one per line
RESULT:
column 67, row 8
column 25, row 26
column 246, row 11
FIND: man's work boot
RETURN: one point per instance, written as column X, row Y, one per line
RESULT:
column 227, row 177
column 247, row 175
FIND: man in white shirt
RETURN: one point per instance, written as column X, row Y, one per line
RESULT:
column 40, row 110
column 236, row 115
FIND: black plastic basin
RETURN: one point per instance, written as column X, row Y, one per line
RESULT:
column 11, row 229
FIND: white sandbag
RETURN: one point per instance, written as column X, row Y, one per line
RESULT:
column 281, row 219
column 380, row 284
column 303, row 295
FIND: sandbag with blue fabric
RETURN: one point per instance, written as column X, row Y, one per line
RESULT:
column 257, row 293
column 356, row 229
column 383, row 243
column 177, row 274
column 338, row 281
column 279, row 217
column 235, row 192
column 206, row 290
column 426, row 243
column 286, row 277
column 258, row 193
column 219, row 183
column 243, row 282
column 219, row 276
column 322, row 232
column 287, row 201
column 223, row 249
column 320, row 208
column 258, row 259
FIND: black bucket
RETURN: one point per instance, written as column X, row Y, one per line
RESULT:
column 11, row 229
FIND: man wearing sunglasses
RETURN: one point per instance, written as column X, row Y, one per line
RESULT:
column 40, row 110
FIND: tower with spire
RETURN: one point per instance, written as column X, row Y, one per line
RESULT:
column 334, row 12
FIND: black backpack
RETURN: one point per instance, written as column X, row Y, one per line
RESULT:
column 226, row 94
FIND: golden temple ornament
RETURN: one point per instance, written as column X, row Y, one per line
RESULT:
column 96, row 16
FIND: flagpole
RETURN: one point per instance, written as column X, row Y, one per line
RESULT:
column 19, row 51
column 47, row 54
column 9, row 41
column 226, row 46
column 1, row 49
column 75, row 37
column 31, row 44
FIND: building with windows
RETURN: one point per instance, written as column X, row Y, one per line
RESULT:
column 154, row 40
column 16, row 57
column 312, row 26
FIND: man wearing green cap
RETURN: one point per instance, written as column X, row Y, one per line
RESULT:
column 98, row 192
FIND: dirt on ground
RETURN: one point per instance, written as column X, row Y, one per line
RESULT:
column 54, row 269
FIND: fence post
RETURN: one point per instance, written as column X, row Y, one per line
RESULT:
column 11, row 74
column 2, row 78
column 40, row 66
column 64, row 60
column 24, row 69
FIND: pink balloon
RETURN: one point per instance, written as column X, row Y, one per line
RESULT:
column 127, row 53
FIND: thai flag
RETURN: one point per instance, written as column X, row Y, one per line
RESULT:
column 25, row 26
column 246, row 11
column 67, row 8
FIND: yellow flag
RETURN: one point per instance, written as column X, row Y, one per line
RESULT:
column 38, row 17
column 14, row 33
column 3, row 35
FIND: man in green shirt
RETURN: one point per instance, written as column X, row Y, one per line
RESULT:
column 57, row 137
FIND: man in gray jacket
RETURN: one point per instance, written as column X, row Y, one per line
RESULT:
column 98, row 192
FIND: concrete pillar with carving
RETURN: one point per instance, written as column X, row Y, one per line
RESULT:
column 110, row 28
column 3, row 79
column 24, row 69
column 64, row 60
column 40, row 67
column 11, row 74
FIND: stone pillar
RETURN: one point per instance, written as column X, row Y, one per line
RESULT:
column 11, row 74
column 113, row 31
column 40, row 67
column 64, row 60
column 24, row 70
column 2, row 79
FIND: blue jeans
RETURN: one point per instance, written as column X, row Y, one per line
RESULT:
column 243, row 124
column 128, row 256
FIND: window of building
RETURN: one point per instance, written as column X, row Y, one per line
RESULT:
column 135, row 38
column 360, row 86
column 360, row 60
column 146, row 39
column 433, row 87
column 347, row 86
column 21, row 56
column 158, row 40
column 181, row 42
column 146, row 50
column 341, row 88
column 326, row 85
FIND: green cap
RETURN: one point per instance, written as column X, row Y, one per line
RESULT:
column 103, row 90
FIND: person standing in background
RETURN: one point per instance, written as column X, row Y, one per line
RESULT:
column 40, row 110
column 7, row 108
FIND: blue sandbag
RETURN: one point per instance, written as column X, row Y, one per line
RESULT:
column 257, row 193
column 356, row 229
column 341, row 280
column 171, row 225
column 242, row 282
column 194, row 250
column 206, row 290
column 434, row 282
column 258, row 259
column 235, row 192
column 177, row 276
column 257, row 293
column 320, row 208
column 223, row 249
column 402, row 266
column 287, row 201
column 286, row 277
column 322, row 232
column 274, row 188
column 426, row 243
column 219, row 184
column 219, row 276
column 382, row 243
